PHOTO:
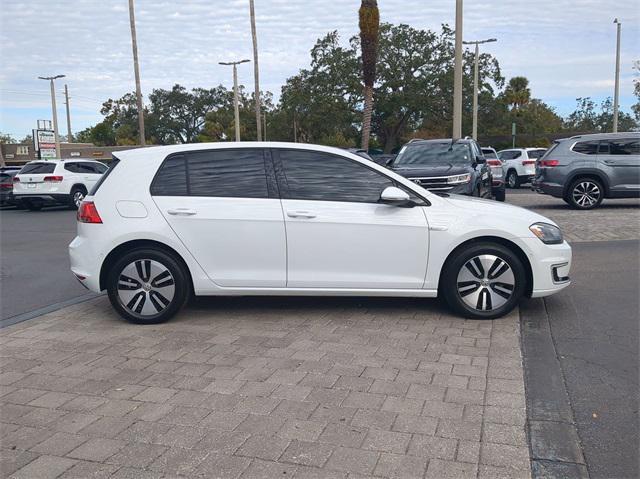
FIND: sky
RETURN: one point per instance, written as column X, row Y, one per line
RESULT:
column 565, row 47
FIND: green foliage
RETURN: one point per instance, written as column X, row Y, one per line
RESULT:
column 587, row 119
column 517, row 92
column 6, row 139
column 636, row 91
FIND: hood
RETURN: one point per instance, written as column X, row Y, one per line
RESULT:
column 431, row 171
column 492, row 207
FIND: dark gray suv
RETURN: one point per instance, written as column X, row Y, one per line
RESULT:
column 585, row 169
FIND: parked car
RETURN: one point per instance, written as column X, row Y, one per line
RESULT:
column 497, row 173
column 585, row 169
column 519, row 165
column 56, row 182
column 291, row 219
column 449, row 166
column 6, row 186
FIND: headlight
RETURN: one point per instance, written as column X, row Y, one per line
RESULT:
column 455, row 180
column 547, row 233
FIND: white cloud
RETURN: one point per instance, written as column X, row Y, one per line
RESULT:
column 565, row 48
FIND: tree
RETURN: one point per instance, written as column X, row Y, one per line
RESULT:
column 369, row 28
column 6, row 139
column 586, row 119
column 636, row 91
column 517, row 92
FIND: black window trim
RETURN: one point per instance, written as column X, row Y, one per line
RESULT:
column 283, row 186
column 272, row 190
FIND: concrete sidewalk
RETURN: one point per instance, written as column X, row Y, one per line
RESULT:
column 264, row 387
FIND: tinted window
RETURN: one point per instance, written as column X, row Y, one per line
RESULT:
column 416, row 155
column 100, row 168
column 320, row 176
column 488, row 153
column 535, row 153
column 625, row 146
column 102, row 179
column 72, row 167
column 38, row 168
column 586, row 147
column 228, row 173
column 171, row 179
column 91, row 168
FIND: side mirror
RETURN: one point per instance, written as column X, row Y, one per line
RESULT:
column 392, row 195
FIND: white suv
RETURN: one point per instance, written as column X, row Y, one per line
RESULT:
column 519, row 164
column 293, row 219
column 49, row 182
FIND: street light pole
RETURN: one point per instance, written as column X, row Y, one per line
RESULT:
column 457, row 75
column 136, row 71
column 54, row 112
column 474, row 132
column 236, row 106
column 616, row 94
column 66, row 103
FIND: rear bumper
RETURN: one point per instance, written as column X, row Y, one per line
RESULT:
column 50, row 198
column 553, row 189
column 84, row 265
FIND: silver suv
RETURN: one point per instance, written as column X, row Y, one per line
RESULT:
column 585, row 169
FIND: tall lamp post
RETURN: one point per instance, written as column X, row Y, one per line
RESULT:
column 457, row 74
column 136, row 71
column 235, row 95
column 54, row 112
column 256, row 70
column 474, row 132
column 616, row 93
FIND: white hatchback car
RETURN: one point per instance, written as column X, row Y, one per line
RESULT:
column 519, row 164
column 56, row 182
column 293, row 219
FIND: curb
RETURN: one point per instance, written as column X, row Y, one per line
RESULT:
column 19, row 318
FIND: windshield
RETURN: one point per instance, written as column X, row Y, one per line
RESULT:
column 433, row 154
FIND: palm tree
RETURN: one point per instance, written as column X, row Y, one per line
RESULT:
column 369, row 27
column 517, row 92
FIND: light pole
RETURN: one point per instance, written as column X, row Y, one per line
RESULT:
column 474, row 131
column 457, row 75
column 66, row 104
column 256, row 70
column 616, row 93
column 136, row 71
column 235, row 95
column 54, row 112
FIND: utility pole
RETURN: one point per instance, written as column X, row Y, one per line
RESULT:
column 136, row 71
column 457, row 75
column 295, row 129
column 256, row 72
column 66, row 102
column 474, row 131
column 264, row 115
column 54, row 112
column 616, row 94
column 236, row 106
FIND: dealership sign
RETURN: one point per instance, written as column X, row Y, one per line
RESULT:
column 44, row 142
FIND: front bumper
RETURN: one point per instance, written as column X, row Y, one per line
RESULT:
column 550, row 266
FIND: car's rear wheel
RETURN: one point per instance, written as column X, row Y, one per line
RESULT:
column 513, row 181
column 77, row 195
column 147, row 286
column 483, row 281
column 585, row 194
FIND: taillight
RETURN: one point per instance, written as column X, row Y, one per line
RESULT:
column 87, row 213
column 494, row 162
column 16, row 179
column 548, row 163
column 528, row 162
column 6, row 186
column 53, row 179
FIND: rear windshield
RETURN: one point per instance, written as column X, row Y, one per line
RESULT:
column 489, row 153
column 535, row 153
column 38, row 168
column 111, row 167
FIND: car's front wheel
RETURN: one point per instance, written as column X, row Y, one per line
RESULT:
column 483, row 281
column 147, row 286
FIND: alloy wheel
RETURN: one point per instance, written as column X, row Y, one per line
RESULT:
column 146, row 287
column 512, row 180
column 485, row 282
column 78, row 196
column 586, row 194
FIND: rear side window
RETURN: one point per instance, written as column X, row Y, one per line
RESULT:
column 216, row 173
column 586, row 147
column 623, row 146
column 102, row 179
column 72, row 167
column 38, row 169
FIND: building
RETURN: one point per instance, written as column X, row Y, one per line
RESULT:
column 21, row 153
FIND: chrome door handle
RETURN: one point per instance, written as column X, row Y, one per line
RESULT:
column 181, row 212
column 300, row 214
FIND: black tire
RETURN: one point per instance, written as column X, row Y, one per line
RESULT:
column 585, row 194
column 138, row 310
column 489, row 289
column 512, row 180
column 500, row 195
column 76, row 196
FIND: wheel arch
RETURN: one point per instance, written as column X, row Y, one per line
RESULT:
column 78, row 185
column 586, row 173
column 501, row 241
column 127, row 246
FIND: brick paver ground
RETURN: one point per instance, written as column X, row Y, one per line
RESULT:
column 323, row 388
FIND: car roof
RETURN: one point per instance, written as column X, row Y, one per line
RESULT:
column 419, row 141
column 603, row 136
column 61, row 160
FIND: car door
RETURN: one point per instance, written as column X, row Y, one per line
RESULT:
column 223, row 205
column 338, row 234
column 619, row 159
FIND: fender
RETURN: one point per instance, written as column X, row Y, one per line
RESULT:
column 586, row 172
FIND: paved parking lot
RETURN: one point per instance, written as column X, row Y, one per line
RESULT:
column 264, row 388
